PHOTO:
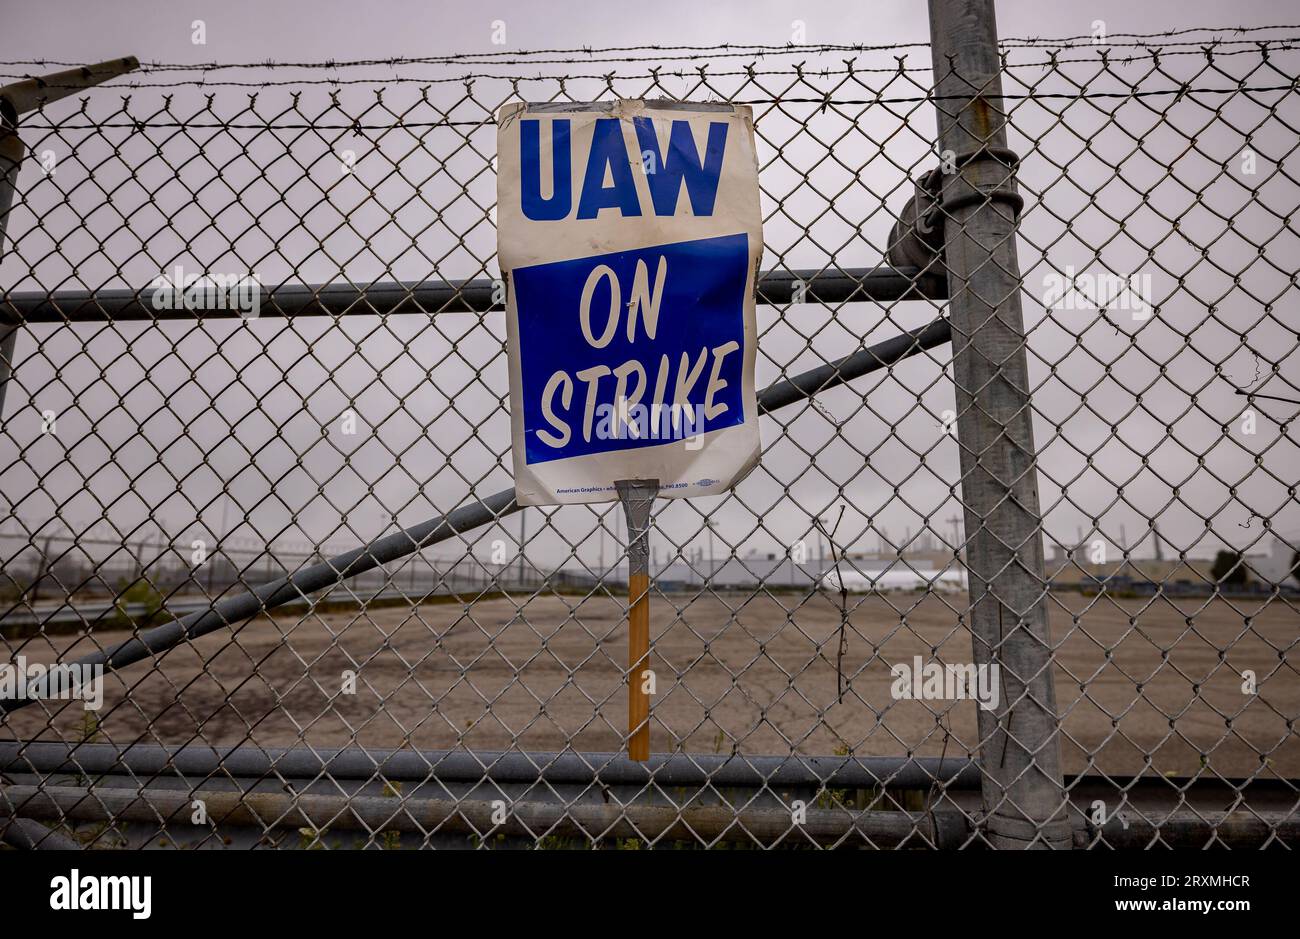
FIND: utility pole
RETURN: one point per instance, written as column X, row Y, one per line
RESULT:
column 523, row 539
column 220, row 538
column 708, row 524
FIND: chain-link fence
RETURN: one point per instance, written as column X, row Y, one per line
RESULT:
column 1018, row 564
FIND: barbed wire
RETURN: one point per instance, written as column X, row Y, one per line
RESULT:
column 488, row 121
column 627, row 54
column 652, row 75
column 1214, row 48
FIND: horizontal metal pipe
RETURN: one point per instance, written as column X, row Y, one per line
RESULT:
column 20, row 619
column 236, row 609
column 29, row 835
column 199, row 761
column 693, row 823
column 1189, row 830
column 233, row 610
column 854, row 365
column 471, row 296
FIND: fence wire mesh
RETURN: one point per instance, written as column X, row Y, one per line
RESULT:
column 155, row 461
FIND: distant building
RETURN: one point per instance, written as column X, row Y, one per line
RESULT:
column 768, row 570
column 1273, row 568
column 1063, row 556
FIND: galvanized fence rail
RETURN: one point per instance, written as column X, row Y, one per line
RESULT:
column 1018, row 567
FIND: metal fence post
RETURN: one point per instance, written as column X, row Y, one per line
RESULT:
column 1023, row 795
column 16, row 99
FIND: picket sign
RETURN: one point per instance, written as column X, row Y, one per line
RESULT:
column 629, row 236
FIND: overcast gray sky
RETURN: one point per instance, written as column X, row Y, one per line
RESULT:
column 250, row 30
column 264, row 399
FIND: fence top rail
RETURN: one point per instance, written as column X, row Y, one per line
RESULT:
column 481, row 295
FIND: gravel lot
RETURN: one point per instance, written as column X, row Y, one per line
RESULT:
column 754, row 672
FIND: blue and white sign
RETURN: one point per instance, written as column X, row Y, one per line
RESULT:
column 629, row 235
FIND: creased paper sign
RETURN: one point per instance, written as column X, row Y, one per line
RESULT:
column 629, row 236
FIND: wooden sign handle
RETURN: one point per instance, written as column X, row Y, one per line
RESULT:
column 638, row 496
column 638, row 661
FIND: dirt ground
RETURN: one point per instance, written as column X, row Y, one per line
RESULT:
column 757, row 673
